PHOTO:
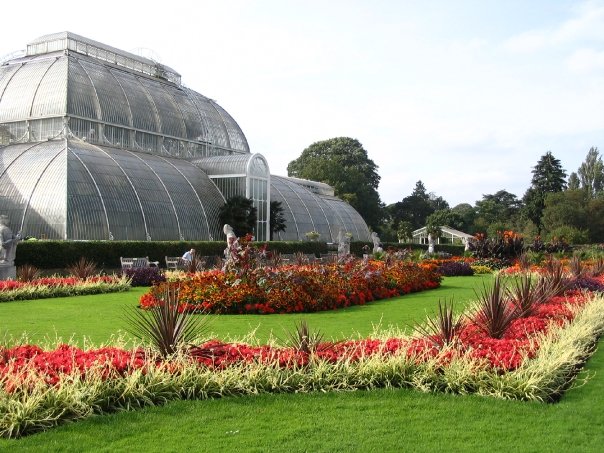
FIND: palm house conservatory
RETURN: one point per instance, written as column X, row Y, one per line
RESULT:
column 98, row 144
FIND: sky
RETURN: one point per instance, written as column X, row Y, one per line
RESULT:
column 464, row 95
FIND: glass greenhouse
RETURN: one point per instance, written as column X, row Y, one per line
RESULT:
column 97, row 144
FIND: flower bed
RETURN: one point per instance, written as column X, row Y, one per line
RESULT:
column 60, row 287
column 294, row 289
column 534, row 360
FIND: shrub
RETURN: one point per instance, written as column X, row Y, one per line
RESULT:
column 478, row 269
column 589, row 284
column 454, row 268
column 145, row 276
column 507, row 244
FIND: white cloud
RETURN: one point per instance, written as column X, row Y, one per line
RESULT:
column 586, row 61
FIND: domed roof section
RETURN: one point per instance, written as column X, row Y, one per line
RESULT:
column 113, row 97
column 70, row 189
column 306, row 210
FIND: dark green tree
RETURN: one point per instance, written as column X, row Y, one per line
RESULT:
column 240, row 213
column 343, row 163
column 591, row 173
column 446, row 217
column 497, row 211
column 277, row 222
column 468, row 213
column 548, row 177
column 414, row 209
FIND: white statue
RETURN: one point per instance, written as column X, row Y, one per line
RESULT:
column 377, row 246
column 231, row 240
column 430, row 243
column 343, row 244
column 466, row 242
column 8, row 242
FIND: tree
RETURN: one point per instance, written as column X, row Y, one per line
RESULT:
column 591, row 173
column 467, row 212
column 573, row 182
column 414, row 209
column 277, row 222
column 548, row 177
column 404, row 233
column 344, row 164
column 240, row 213
column 496, row 212
column 446, row 217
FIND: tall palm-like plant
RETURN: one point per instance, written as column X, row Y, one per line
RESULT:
column 166, row 326
column 443, row 329
column 495, row 313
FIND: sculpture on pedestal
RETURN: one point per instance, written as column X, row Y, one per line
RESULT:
column 8, row 242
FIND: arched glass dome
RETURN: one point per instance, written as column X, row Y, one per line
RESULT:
column 99, row 143
column 69, row 189
column 306, row 211
column 109, row 97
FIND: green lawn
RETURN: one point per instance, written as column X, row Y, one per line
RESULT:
column 363, row 421
column 98, row 317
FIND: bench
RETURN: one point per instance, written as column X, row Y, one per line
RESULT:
column 174, row 262
column 132, row 263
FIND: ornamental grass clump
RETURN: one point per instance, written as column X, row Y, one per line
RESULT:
column 494, row 312
column 166, row 326
column 27, row 273
column 443, row 329
column 83, row 269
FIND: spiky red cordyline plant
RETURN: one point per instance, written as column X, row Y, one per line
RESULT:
column 303, row 340
column 495, row 313
column 165, row 326
column 597, row 267
column 443, row 329
column 577, row 269
column 83, row 269
column 525, row 293
column 555, row 278
column 27, row 273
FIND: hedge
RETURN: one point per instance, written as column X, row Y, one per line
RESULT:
column 356, row 248
column 106, row 254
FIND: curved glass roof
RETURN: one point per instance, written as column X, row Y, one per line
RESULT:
column 112, row 97
column 305, row 211
column 70, row 189
column 234, row 165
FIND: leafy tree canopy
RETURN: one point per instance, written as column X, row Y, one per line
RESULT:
column 591, row 173
column 416, row 208
column 343, row 163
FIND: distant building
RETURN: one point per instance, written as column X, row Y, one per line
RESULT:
column 449, row 236
column 97, row 143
